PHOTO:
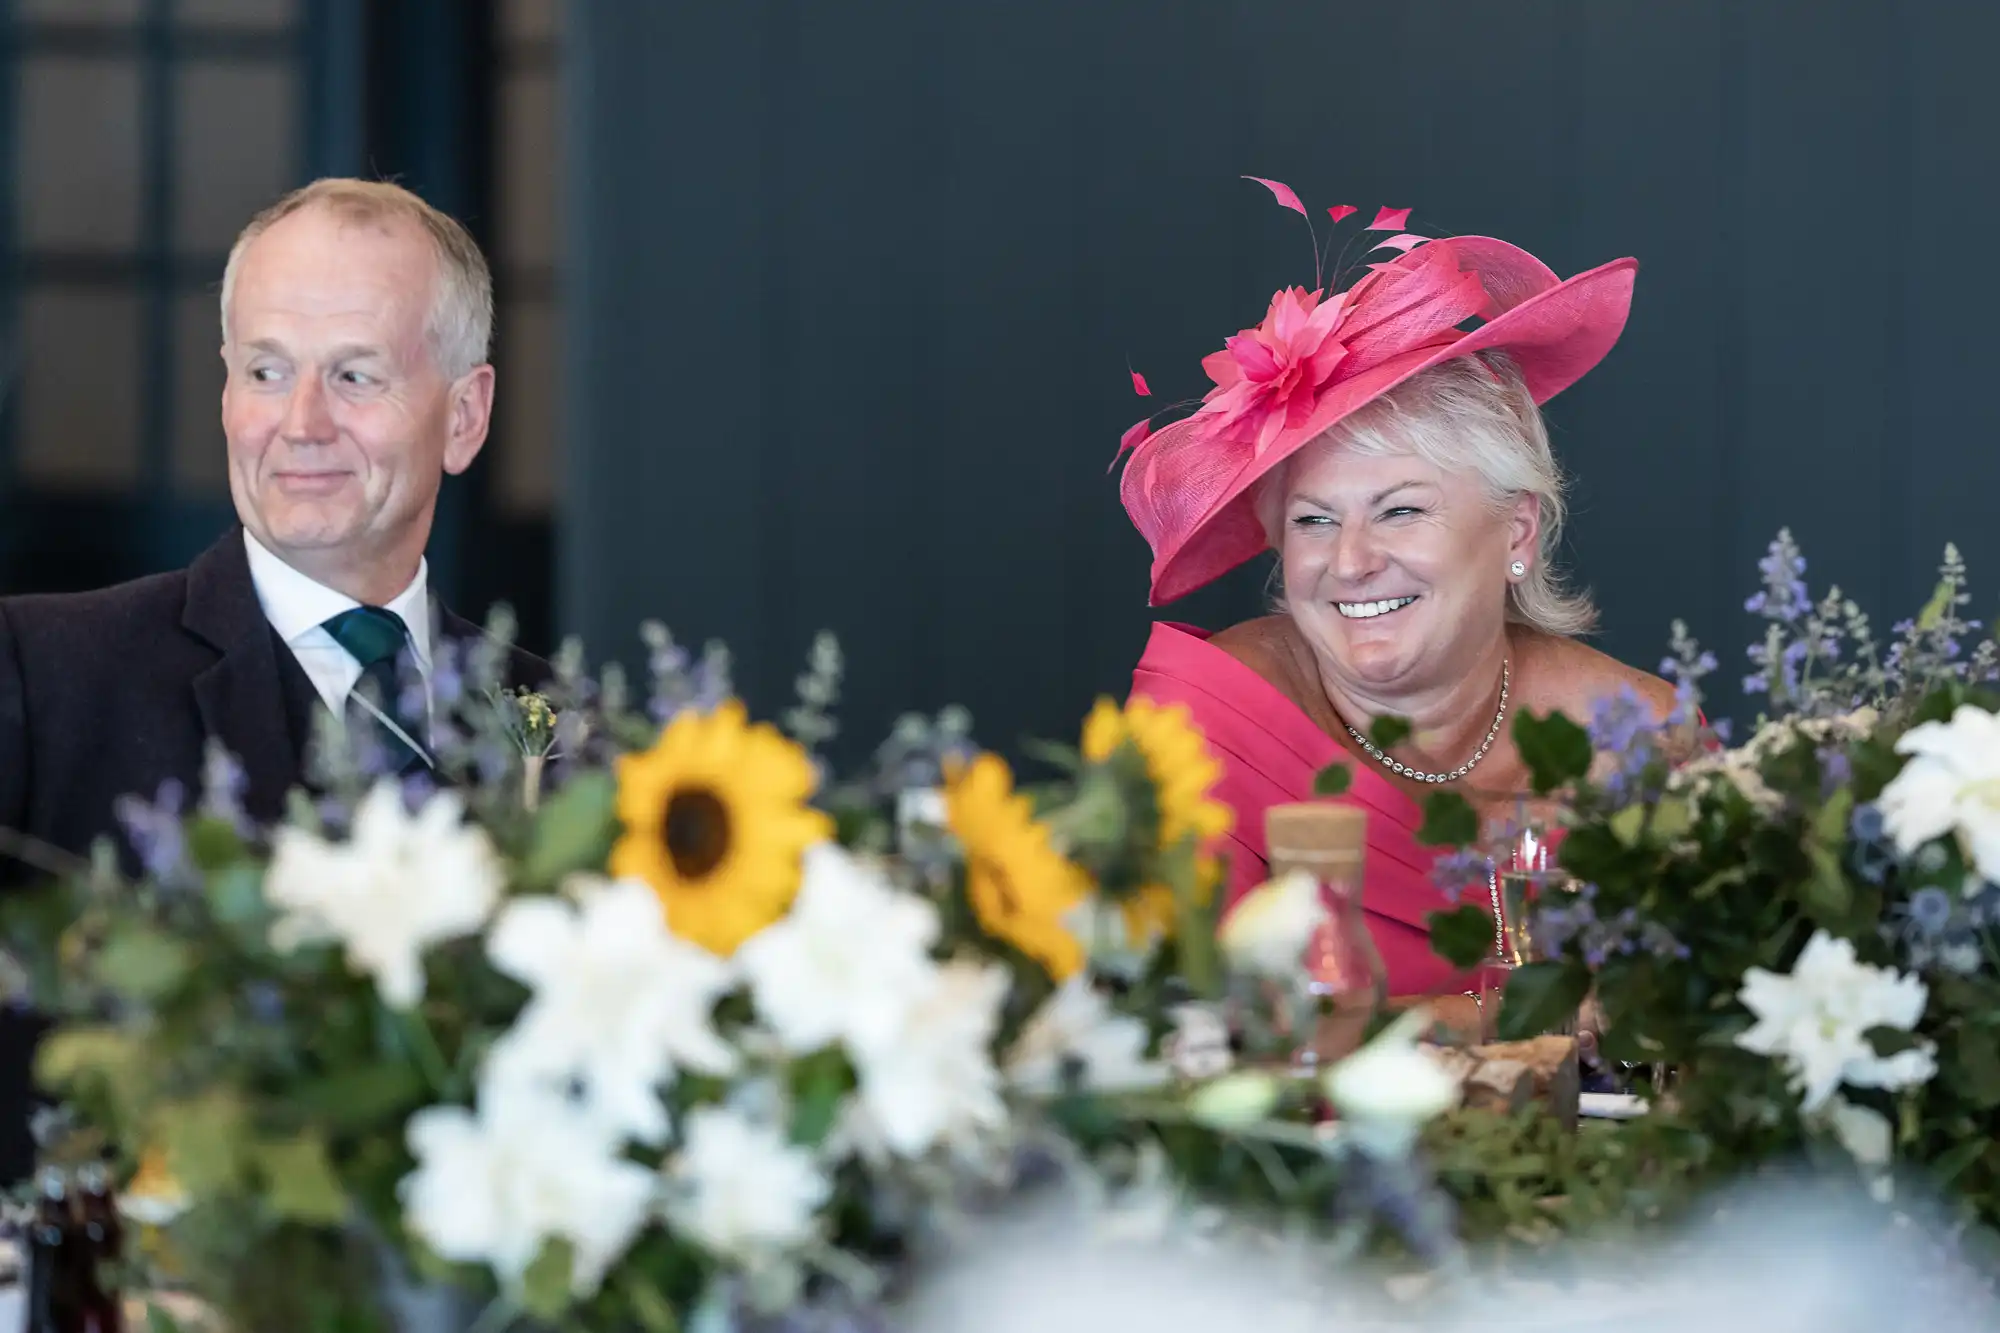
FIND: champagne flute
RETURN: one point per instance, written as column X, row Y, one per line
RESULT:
column 1520, row 846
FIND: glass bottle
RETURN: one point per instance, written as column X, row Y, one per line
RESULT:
column 99, row 1306
column 52, row 1256
column 1345, row 977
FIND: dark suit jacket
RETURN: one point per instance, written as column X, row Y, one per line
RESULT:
column 112, row 692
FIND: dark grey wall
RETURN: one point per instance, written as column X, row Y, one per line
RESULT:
column 854, row 287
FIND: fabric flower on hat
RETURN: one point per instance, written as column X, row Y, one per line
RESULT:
column 398, row 885
column 1816, row 1021
column 1950, row 785
column 1269, row 378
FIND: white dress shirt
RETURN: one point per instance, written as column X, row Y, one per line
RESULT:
column 298, row 608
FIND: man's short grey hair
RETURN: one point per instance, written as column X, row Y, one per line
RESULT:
column 1472, row 414
column 460, row 324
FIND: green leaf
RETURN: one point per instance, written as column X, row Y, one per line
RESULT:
column 236, row 895
column 1629, row 825
column 1388, row 731
column 1830, row 824
column 70, row 1053
column 1555, row 749
column 1333, row 780
column 1672, row 818
column 1064, row 758
column 1463, row 936
column 1449, row 821
column 1954, row 1163
column 819, row 1082
column 213, row 844
column 301, row 1181
column 573, row 829
column 1977, row 1066
column 651, row 1309
column 141, row 962
column 545, row 1287
column 204, row 1142
column 1889, row 1041
column 1540, row 998
column 1826, row 895
column 361, row 1097
column 159, row 1320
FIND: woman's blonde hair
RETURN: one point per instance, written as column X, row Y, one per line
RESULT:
column 1472, row 414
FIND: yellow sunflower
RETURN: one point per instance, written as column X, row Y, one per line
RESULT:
column 1183, row 772
column 715, row 820
column 1020, row 886
column 1177, row 759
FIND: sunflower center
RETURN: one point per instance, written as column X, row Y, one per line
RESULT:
column 697, row 832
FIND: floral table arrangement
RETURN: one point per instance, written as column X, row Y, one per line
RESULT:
column 640, row 1019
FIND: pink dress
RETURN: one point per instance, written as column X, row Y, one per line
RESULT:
column 1270, row 752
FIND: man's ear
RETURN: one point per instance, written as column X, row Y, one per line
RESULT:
column 471, row 417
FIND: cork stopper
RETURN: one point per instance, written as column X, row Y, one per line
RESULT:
column 1315, row 835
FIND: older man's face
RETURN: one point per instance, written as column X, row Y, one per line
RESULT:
column 341, row 425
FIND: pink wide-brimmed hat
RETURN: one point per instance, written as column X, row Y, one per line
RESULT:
column 1317, row 358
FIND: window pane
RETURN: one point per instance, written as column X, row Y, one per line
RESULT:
column 199, row 467
column 526, row 393
column 528, row 20
column 80, row 11
column 235, row 150
column 80, row 388
column 79, row 182
column 527, row 171
column 261, row 14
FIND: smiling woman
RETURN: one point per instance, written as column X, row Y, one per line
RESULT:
column 1387, row 442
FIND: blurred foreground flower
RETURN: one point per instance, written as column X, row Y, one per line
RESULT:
column 1267, row 931
column 1950, row 785
column 399, row 884
column 1817, row 1019
column 1387, row 1091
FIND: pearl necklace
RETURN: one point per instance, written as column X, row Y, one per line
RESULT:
column 1402, row 769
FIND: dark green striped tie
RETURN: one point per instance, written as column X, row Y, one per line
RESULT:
column 377, row 639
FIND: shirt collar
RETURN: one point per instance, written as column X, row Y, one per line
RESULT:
column 297, row 606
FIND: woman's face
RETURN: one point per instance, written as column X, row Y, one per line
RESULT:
column 1395, row 570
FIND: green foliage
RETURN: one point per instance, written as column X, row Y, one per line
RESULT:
column 1540, row 997
column 1449, row 821
column 572, row 830
column 300, row 1183
column 1334, row 779
column 545, row 1287
column 1387, row 732
column 1556, row 750
column 1463, row 936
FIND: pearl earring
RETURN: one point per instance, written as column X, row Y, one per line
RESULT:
column 1519, row 569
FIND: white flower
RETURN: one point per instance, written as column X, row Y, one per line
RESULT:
column 1950, row 785
column 1076, row 1023
column 398, row 885
column 1867, row 1136
column 530, row 1167
column 1815, row 1021
column 1267, row 932
column 847, row 962
column 935, row 1081
column 1864, row 1132
column 1198, row 1047
column 619, row 1002
column 740, row 1189
column 1388, row 1090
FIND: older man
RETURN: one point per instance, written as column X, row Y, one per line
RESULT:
column 355, row 321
